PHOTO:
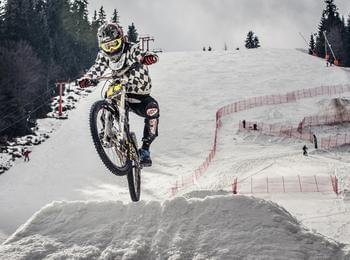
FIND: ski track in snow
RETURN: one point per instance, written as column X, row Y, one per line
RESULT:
column 190, row 87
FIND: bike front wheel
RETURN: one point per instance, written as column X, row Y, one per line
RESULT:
column 113, row 155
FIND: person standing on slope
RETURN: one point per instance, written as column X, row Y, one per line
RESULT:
column 26, row 153
column 128, row 63
column 305, row 150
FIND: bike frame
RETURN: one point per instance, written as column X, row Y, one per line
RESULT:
column 114, row 141
column 121, row 107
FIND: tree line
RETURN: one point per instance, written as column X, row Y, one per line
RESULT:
column 336, row 30
column 42, row 41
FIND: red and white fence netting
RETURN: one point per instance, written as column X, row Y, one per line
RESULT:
column 330, row 119
column 276, row 130
column 249, row 104
column 286, row 184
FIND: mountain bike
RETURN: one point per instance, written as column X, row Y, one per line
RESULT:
column 114, row 142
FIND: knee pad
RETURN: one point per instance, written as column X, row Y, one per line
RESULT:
column 152, row 110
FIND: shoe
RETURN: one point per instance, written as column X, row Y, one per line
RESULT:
column 145, row 158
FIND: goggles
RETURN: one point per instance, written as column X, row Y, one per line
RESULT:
column 111, row 46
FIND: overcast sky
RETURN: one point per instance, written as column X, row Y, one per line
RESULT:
column 191, row 24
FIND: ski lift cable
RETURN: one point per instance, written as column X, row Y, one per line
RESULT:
column 5, row 114
column 22, row 118
column 302, row 36
column 25, row 117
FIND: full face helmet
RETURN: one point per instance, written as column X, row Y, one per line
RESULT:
column 110, row 38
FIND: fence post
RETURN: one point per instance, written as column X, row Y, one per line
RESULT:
column 346, row 135
column 336, row 185
column 267, row 184
column 251, row 185
column 315, row 141
column 336, row 141
column 316, row 184
column 234, row 186
column 301, row 190
column 284, row 188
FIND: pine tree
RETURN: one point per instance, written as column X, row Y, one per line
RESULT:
column 225, row 47
column 41, row 41
column 249, row 42
column 94, row 18
column 115, row 17
column 132, row 33
column 14, row 20
column 331, row 10
column 335, row 30
column 21, row 82
column 252, row 41
column 101, row 16
column 320, row 40
column 256, row 42
column 1, row 20
column 347, row 42
column 95, row 24
column 312, row 44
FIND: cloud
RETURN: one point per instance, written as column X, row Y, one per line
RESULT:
column 192, row 24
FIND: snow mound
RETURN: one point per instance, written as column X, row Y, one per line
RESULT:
column 214, row 227
column 335, row 106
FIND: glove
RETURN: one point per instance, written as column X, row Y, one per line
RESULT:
column 149, row 59
column 84, row 83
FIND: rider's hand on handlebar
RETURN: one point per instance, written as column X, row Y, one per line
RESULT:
column 85, row 82
column 149, row 59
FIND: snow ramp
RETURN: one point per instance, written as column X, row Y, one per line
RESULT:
column 201, row 225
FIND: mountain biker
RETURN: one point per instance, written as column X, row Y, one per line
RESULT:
column 128, row 62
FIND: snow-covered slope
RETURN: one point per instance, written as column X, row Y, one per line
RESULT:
column 190, row 87
column 217, row 227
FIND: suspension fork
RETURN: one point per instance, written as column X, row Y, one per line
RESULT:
column 107, row 133
column 109, row 130
column 120, row 134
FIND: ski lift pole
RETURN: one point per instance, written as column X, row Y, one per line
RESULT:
column 329, row 45
column 60, row 85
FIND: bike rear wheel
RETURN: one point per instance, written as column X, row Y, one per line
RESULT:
column 134, row 182
column 134, row 175
column 114, row 158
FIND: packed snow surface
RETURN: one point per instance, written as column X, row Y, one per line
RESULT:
column 216, row 227
column 92, row 216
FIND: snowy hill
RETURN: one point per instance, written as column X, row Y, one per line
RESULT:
column 217, row 227
column 190, row 88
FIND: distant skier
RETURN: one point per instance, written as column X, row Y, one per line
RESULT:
column 26, row 155
column 128, row 62
column 305, row 150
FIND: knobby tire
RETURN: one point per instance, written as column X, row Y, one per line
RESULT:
column 112, row 167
